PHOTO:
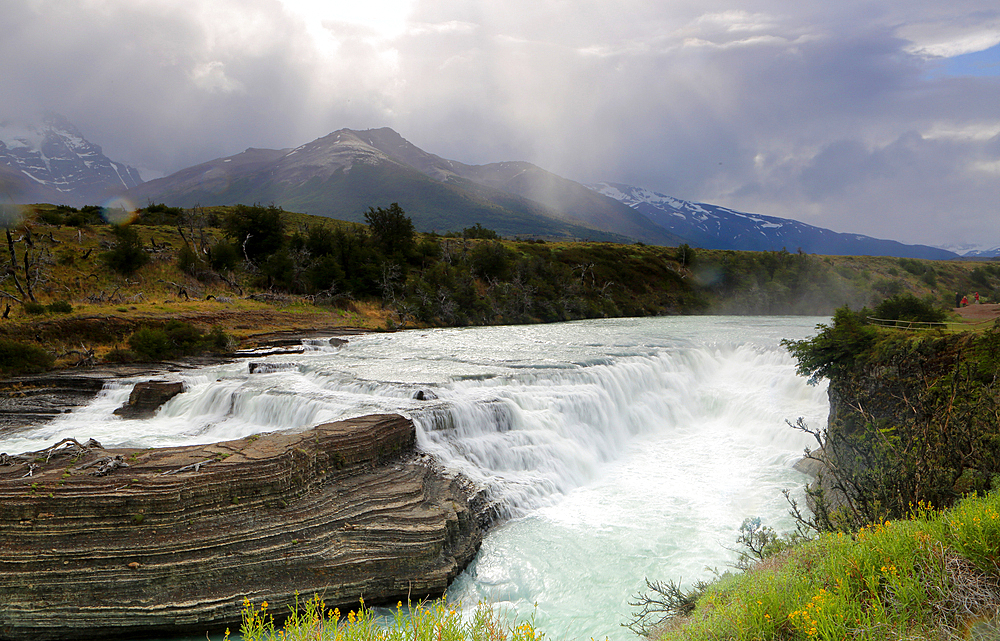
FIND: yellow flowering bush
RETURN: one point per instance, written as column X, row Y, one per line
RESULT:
column 425, row 621
column 892, row 579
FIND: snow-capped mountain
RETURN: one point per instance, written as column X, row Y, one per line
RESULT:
column 974, row 251
column 51, row 161
column 714, row 227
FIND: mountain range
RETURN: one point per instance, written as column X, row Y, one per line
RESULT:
column 714, row 227
column 344, row 173
column 51, row 161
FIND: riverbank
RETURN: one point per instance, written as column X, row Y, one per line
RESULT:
column 72, row 297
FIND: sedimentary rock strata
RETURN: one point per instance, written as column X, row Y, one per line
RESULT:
column 171, row 540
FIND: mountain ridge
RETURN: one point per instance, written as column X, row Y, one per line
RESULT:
column 343, row 173
column 715, row 227
column 51, row 161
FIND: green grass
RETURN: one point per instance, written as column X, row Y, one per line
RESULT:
column 431, row 621
column 935, row 575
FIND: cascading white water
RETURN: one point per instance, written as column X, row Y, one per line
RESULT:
column 618, row 449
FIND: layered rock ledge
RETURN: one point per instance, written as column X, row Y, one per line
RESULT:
column 170, row 540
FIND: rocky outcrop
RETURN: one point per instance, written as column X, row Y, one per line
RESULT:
column 147, row 397
column 171, row 540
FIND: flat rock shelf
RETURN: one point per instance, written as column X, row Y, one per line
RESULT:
column 103, row 543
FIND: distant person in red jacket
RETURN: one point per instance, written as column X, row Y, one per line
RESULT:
column 965, row 301
column 977, row 298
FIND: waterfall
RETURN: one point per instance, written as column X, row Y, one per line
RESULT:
column 617, row 449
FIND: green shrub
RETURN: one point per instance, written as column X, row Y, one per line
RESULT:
column 915, row 267
column 34, row 308
column 119, row 355
column 491, row 260
column 150, row 344
column 192, row 263
column 126, row 256
column 23, row 358
column 160, row 214
column 87, row 215
column 908, row 307
column 478, row 231
column 256, row 231
column 51, row 216
column 836, row 347
column 60, row 307
column 224, row 257
column 176, row 338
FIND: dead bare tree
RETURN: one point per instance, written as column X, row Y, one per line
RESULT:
column 27, row 270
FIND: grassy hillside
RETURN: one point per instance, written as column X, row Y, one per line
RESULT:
column 933, row 575
column 62, row 254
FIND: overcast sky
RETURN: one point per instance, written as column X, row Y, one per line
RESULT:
column 881, row 118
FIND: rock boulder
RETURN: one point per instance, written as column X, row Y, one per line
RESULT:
column 147, row 397
column 174, row 540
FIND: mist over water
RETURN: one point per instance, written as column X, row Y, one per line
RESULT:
column 616, row 450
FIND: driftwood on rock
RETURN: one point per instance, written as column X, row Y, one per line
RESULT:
column 343, row 509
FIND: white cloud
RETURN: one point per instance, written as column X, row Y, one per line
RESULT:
column 971, row 131
column 211, row 76
column 819, row 111
column 948, row 40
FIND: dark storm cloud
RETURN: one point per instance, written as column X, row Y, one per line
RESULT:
column 836, row 114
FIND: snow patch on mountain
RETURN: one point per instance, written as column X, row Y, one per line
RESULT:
column 715, row 227
column 51, row 160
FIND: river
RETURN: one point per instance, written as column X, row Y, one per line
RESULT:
column 617, row 450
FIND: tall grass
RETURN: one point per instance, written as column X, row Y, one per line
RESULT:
column 430, row 621
column 934, row 575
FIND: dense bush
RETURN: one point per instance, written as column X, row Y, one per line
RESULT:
column 480, row 232
column 21, row 358
column 58, row 307
column 224, row 257
column 176, row 338
column 87, row 215
column 126, row 255
column 160, row 214
column 189, row 262
column 834, row 351
column 907, row 307
column 256, row 231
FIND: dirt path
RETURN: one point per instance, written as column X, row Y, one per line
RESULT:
column 979, row 312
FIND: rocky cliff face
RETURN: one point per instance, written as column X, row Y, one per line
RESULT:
column 171, row 540
column 51, row 161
